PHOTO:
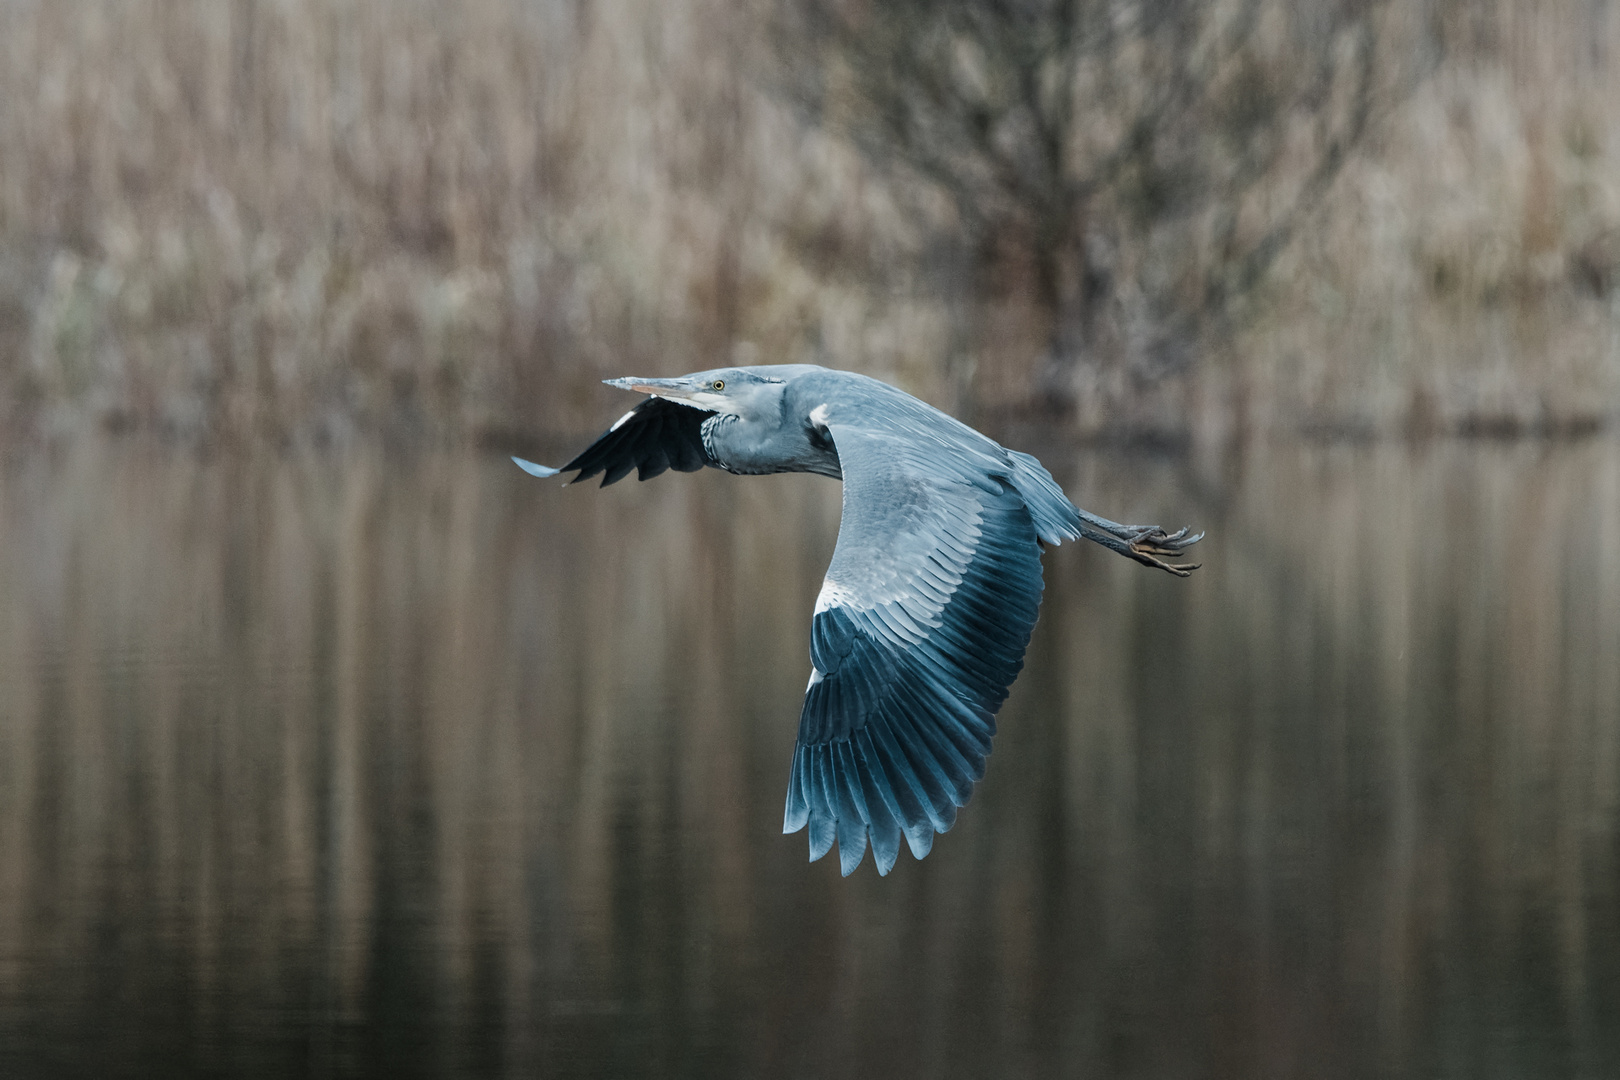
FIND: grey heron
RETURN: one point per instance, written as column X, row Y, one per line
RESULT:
column 928, row 603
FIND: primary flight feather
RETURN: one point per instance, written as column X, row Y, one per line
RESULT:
column 933, row 589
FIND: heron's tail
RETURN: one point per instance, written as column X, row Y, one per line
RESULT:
column 1056, row 518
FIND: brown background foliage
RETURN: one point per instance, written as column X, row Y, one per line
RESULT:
column 317, row 219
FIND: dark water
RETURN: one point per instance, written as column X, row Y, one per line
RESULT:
column 357, row 766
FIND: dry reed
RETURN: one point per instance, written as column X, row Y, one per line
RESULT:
column 313, row 218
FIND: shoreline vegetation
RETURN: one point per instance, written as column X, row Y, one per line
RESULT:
column 314, row 221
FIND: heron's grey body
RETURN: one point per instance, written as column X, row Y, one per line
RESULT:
column 933, row 589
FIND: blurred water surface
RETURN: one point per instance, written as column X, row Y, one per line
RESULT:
column 388, row 766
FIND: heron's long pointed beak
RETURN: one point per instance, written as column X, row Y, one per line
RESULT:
column 674, row 389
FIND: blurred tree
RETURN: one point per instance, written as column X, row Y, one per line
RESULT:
column 1144, row 161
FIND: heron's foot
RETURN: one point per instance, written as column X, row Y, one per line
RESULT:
column 1152, row 546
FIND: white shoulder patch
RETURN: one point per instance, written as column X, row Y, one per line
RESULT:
column 833, row 595
column 619, row 423
column 818, row 415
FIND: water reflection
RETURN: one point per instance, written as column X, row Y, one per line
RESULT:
column 364, row 766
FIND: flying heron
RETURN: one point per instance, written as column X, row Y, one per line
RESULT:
column 933, row 589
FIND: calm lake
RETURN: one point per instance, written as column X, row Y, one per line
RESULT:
column 360, row 765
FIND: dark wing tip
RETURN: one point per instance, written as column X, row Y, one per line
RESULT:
column 655, row 436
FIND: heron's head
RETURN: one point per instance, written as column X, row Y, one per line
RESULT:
column 729, row 391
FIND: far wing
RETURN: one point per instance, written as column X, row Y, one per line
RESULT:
column 919, row 631
column 655, row 436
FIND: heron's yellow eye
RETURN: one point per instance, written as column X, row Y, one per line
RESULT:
column 719, row 384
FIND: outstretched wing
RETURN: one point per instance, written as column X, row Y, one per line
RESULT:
column 919, row 631
column 651, row 438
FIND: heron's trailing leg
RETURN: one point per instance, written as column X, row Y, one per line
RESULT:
column 1147, row 544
